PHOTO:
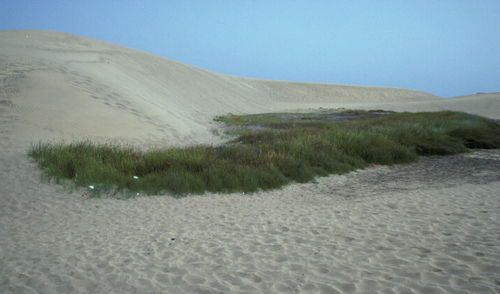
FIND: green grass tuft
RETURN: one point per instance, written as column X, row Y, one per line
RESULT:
column 268, row 151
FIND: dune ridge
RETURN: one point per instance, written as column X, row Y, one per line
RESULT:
column 63, row 86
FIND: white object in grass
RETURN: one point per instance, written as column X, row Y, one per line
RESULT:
column 135, row 177
column 91, row 187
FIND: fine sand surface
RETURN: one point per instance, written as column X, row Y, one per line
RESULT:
column 428, row 227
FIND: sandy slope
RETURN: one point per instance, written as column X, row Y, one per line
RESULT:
column 64, row 86
column 430, row 227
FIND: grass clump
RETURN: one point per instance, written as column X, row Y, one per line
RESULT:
column 269, row 151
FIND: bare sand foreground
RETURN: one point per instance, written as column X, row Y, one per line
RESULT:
column 428, row 227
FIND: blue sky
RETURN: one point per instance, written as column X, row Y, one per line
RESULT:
column 444, row 47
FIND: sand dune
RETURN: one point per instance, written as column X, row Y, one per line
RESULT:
column 429, row 227
column 65, row 86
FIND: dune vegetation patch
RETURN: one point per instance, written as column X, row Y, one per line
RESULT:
column 267, row 151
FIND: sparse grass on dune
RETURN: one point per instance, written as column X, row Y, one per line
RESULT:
column 269, row 151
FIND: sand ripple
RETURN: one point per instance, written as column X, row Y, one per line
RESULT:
column 429, row 227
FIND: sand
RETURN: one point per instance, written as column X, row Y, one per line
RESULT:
column 427, row 227
column 66, row 86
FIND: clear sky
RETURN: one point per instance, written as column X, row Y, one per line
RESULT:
column 444, row 47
